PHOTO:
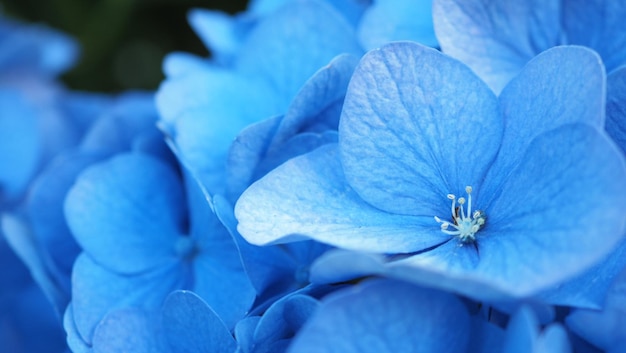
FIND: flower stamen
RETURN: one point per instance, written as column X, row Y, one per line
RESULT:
column 464, row 224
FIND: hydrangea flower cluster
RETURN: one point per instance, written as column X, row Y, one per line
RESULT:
column 339, row 176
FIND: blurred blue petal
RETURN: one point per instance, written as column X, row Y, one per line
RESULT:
column 129, row 330
column 386, row 21
column 102, row 212
column 190, row 325
column 386, row 316
column 616, row 107
column 35, row 48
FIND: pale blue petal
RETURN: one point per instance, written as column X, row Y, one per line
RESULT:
column 603, row 328
column 616, row 107
column 416, row 126
column 74, row 339
column 486, row 337
column 599, row 25
column 309, row 197
column 496, row 38
column 218, row 32
column 283, row 320
column 558, row 213
column 20, row 145
column 386, row 316
column 221, row 281
column 22, row 241
column 244, row 333
column 521, row 332
column 246, row 152
column 127, row 212
column 178, row 64
column 318, row 100
column 190, row 325
column 553, row 339
column 340, row 265
column 387, row 21
column 96, row 291
column 270, row 268
column 129, row 330
column 560, row 86
column 589, row 290
column 35, row 48
column 284, row 48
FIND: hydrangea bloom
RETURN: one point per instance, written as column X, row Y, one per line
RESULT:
column 145, row 245
column 432, row 166
column 496, row 39
column 204, row 108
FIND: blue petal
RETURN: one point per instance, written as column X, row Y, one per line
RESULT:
column 309, row 197
column 74, row 339
column 496, row 38
column 416, row 126
column 129, row 330
column 553, row 339
column 19, row 145
column 561, row 85
column 96, row 291
column 579, row 293
column 127, row 212
column 558, row 213
column 273, row 270
column 35, row 48
column 45, row 207
column 190, row 325
column 285, row 49
column 387, row 21
column 269, row 268
column 598, row 25
column 317, row 100
column 386, row 316
column 178, row 64
column 521, row 332
column 244, row 333
column 339, row 265
column 218, row 32
column 21, row 239
column 603, row 328
column 283, row 320
column 616, row 107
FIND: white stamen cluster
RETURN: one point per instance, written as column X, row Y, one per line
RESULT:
column 464, row 224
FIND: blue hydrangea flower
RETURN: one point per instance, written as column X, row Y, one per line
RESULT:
column 153, row 235
column 497, row 38
column 204, row 108
column 469, row 190
column 37, row 229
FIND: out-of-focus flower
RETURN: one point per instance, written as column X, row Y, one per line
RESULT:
column 130, row 216
column 204, row 109
column 497, row 38
column 466, row 188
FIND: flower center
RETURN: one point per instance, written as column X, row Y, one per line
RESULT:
column 465, row 224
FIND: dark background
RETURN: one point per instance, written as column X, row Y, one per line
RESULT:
column 123, row 42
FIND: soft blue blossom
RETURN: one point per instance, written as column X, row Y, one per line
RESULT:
column 153, row 235
column 497, row 38
column 204, row 109
column 466, row 188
